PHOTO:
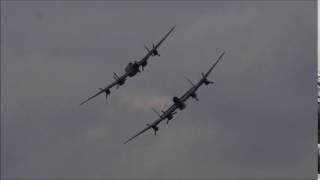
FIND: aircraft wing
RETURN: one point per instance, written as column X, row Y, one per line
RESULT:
column 194, row 88
column 146, row 57
column 155, row 123
column 187, row 94
column 144, row 130
column 106, row 88
column 214, row 65
column 160, row 42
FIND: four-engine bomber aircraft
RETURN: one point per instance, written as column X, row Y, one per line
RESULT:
column 179, row 103
column 131, row 69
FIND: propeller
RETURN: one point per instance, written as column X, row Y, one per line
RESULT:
column 120, row 82
column 189, row 81
column 154, row 51
column 195, row 97
column 115, row 76
column 107, row 91
column 155, row 128
column 169, row 119
column 146, row 48
column 155, row 111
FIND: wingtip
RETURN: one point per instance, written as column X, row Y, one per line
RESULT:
column 222, row 54
column 173, row 27
column 82, row 103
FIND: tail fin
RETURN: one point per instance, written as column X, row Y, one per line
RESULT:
column 203, row 76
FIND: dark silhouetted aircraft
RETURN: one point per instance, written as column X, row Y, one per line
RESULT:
column 131, row 69
column 179, row 103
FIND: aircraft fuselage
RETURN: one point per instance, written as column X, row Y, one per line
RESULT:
column 132, row 69
column 181, row 105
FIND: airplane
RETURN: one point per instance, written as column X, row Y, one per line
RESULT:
column 178, row 103
column 131, row 69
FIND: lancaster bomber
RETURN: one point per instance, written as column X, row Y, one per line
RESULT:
column 131, row 69
column 179, row 103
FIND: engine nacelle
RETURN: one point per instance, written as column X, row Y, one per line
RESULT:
column 121, row 82
column 194, row 96
column 207, row 82
column 144, row 63
column 181, row 105
column 155, row 53
column 155, row 128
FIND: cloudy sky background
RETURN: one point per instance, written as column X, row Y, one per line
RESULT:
column 257, row 121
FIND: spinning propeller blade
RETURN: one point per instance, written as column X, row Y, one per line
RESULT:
column 189, row 81
column 155, row 111
column 146, row 48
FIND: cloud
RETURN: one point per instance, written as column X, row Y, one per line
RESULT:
column 145, row 103
column 94, row 134
column 256, row 121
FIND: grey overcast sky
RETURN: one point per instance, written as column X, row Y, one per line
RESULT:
column 257, row 121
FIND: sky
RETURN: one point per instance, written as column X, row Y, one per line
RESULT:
column 257, row 121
